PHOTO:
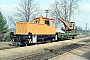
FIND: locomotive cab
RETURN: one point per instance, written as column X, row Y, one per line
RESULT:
column 44, row 20
column 72, row 25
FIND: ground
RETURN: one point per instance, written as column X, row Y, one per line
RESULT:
column 9, row 54
column 82, row 53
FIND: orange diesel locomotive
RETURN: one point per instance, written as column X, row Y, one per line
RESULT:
column 41, row 30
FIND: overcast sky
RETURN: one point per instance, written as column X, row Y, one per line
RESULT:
column 8, row 8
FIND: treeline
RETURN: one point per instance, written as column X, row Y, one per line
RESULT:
column 4, row 36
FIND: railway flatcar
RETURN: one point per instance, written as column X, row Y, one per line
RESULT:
column 41, row 30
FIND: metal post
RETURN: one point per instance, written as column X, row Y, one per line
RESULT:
column 86, row 26
column 46, row 11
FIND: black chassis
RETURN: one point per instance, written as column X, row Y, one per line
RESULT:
column 19, row 39
column 45, row 38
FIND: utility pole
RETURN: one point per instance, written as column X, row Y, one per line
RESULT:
column 86, row 26
column 86, row 29
column 46, row 11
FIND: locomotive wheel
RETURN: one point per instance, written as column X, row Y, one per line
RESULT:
column 26, row 44
column 49, row 41
column 73, row 37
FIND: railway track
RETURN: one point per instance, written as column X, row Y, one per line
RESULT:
column 50, row 53
column 10, row 47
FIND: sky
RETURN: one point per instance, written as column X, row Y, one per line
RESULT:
column 7, row 7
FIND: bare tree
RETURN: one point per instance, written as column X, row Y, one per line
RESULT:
column 27, row 10
column 11, row 19
column 55, row 11
column 64, row 8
